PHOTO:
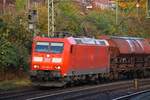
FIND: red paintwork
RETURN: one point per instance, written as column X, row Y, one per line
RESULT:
column 128, row 45
column 76, row 58
column 89, row 58
column 48, row 65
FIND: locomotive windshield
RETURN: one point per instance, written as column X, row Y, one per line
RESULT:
column 42, row 47
column 56, row 47
column 49, row 47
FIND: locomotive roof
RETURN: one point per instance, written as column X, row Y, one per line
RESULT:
column 72, row 40
column 127, row 38
column 85, row 40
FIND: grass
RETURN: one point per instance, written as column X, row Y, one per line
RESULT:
column 14, row 84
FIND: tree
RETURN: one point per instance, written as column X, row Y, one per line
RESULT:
column 20, row 4
column 15, row 42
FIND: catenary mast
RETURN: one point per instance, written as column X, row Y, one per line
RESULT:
column 51, row 19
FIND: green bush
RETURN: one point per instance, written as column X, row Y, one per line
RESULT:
column 15, row 43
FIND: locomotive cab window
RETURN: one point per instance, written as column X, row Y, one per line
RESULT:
column 56, row 47
column 49, row 47
column 42, row 47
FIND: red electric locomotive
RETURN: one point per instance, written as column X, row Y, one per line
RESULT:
column 57, row 61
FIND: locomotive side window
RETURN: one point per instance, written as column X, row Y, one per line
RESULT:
column 78, row 41
column 56, row 47
column 102, row 42
column 42, row 47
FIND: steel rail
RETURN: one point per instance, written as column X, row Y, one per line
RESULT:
column 72, row 92
column 131, row 95
column 90, row 90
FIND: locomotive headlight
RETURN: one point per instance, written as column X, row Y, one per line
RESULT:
column 47, row 55
column 36, row 66
column 38, row 59
column 58, row 67
column 56, row 60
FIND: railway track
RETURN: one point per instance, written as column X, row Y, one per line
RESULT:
column 9, row 92
column 23, row 94
column 132, row 96
column 77, row 92
column 17, row 93
column 80, row 93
